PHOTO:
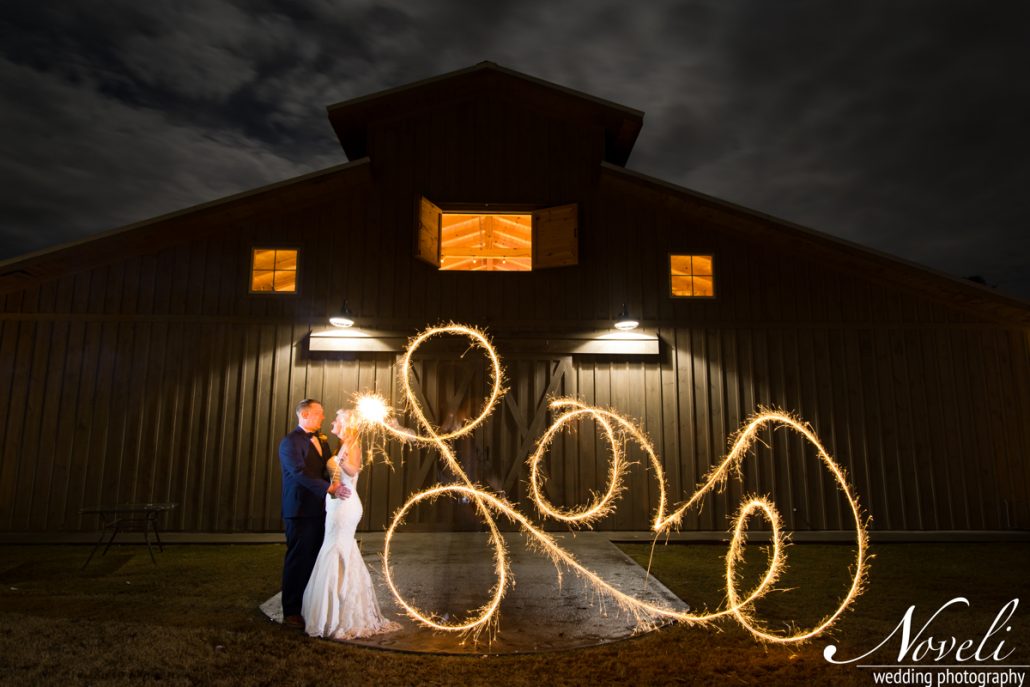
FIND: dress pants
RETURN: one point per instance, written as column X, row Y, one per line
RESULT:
column 303, row 541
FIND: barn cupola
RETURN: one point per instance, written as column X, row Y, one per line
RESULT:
column 467, row 95
column 487, row 134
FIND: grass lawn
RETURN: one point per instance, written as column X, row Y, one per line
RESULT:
column 193, row 619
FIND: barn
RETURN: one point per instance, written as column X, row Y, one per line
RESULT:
column 161, row 362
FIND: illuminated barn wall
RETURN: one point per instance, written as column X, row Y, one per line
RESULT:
column 137, row 367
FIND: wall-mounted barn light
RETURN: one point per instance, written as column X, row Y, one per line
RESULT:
column 343, row 318
column 624, row 322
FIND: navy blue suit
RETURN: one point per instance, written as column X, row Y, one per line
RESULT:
column 305, row 483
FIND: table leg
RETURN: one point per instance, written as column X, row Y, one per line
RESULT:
column 146, row 537
column 160, row 546
column 117, row 526
column 95, row 547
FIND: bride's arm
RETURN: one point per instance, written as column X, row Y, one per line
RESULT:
column 350, row 458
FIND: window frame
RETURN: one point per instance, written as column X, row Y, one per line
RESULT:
column 250, row 272
column 668, row 276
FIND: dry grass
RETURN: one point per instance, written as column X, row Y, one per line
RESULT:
column 192, row 619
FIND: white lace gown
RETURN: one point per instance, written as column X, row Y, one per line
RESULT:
column 340, row 601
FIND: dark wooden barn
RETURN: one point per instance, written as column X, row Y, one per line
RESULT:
column 161, row 362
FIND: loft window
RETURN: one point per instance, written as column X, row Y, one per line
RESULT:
column 486, row 243
column 273, row 270
column 497, row 241
column 691, row 276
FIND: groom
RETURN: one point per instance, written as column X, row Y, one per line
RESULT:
column 303, row 454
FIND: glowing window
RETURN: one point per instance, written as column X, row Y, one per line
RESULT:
column 273, row 271
column 467, row 239
column 691, row 276
column 486, row 243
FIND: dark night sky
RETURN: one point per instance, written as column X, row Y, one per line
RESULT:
column 899, row 125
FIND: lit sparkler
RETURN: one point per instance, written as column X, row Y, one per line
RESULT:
column 618, row 430
column 372, row 409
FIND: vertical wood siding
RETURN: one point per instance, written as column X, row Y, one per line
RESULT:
column 156, row 376
column 932, row 430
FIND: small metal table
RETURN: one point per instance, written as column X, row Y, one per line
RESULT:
column 128, row 517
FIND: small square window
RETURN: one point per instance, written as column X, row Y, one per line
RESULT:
column 691, row 276
column 273, row 270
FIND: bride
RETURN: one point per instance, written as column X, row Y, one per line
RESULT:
column 340, row 601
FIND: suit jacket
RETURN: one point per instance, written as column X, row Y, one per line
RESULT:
column 305, row 478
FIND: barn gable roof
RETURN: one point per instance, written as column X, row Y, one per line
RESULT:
column 25, row 270
column 871, row 262
column 621, row 124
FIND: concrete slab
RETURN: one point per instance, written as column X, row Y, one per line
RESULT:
column 452, row 573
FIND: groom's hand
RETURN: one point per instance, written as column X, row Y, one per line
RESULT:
column 342, row 491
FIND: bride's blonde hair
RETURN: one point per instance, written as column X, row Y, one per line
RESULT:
column 345, row 416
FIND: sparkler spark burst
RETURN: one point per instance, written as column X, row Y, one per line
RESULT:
column 372, row 409
column 618, row 431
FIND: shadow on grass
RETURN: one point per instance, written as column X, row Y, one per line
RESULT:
column 193, row 619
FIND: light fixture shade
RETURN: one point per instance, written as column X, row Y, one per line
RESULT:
column 338, row 321
column 624, row 322
column 344, row 318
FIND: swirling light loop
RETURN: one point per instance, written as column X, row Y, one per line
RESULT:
column 480, row 340
column 618, row 430
column 488, row 611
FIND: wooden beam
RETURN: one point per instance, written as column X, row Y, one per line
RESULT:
column 511, row 266
column 457, row 222
column 472, row 236
column 488, row 253
column 460, row 265
column 518, row 239
column 526, row 229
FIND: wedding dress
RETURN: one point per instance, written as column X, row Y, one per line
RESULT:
column 340, row 601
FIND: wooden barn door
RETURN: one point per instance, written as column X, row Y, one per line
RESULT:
column 452, row 391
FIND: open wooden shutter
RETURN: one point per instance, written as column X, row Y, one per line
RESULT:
column 427, row 246
column 556, row 236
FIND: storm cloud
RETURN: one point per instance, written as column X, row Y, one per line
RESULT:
column 900, row 126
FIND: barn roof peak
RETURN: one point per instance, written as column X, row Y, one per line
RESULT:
column 621, row 124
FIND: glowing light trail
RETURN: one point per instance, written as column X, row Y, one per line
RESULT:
column 375, row 414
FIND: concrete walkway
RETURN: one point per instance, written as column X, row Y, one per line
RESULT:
column 452, row 573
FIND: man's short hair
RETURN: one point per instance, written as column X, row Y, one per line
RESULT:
column 307, row 403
